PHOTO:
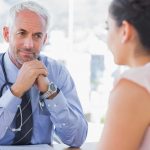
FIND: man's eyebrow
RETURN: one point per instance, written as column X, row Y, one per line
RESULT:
column 38, row 33
column 22, row 30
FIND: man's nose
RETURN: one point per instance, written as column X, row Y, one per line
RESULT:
column 28, row 43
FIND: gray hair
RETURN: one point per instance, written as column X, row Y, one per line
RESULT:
column 28, row 5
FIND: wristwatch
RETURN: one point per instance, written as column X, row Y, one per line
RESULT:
column 52, row 88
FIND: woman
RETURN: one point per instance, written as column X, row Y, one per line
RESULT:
column 127, row 125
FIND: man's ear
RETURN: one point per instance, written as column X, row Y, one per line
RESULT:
column 126, row 31
column 6, row 33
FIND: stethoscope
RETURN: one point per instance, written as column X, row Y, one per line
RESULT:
column 7, row 83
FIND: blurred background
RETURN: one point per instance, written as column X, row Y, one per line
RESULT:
column 77, row 38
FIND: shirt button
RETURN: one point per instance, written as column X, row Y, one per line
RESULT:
column 63, row 124
column 55, row 105
column 49, row 105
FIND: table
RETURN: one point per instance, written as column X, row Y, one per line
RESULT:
column 86, row 146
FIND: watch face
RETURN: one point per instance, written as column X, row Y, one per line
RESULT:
column 52, row 87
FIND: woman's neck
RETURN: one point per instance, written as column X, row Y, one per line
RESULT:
column 139, row 61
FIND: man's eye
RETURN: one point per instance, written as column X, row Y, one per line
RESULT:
column 20, row 33
column 38, row 36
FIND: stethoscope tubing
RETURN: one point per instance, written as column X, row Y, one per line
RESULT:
column 7, row 83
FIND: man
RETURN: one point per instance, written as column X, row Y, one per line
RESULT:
column 52, row 105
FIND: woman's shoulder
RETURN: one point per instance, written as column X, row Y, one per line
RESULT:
column 138, row 75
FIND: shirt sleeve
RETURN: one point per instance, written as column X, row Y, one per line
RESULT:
column 66, row 111
column 8, row 108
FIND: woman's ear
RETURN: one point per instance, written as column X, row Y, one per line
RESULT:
column 126, row 33
column 6, row 33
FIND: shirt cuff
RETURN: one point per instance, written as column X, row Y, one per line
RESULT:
column 57, row 104
column 9, row 101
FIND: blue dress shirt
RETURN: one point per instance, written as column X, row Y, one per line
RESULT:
column 63, row 115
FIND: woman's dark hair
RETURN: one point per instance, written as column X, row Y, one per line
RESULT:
column 137, row 13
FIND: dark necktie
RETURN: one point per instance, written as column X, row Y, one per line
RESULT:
column 23, row 137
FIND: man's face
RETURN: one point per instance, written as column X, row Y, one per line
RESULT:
column 26, row 37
